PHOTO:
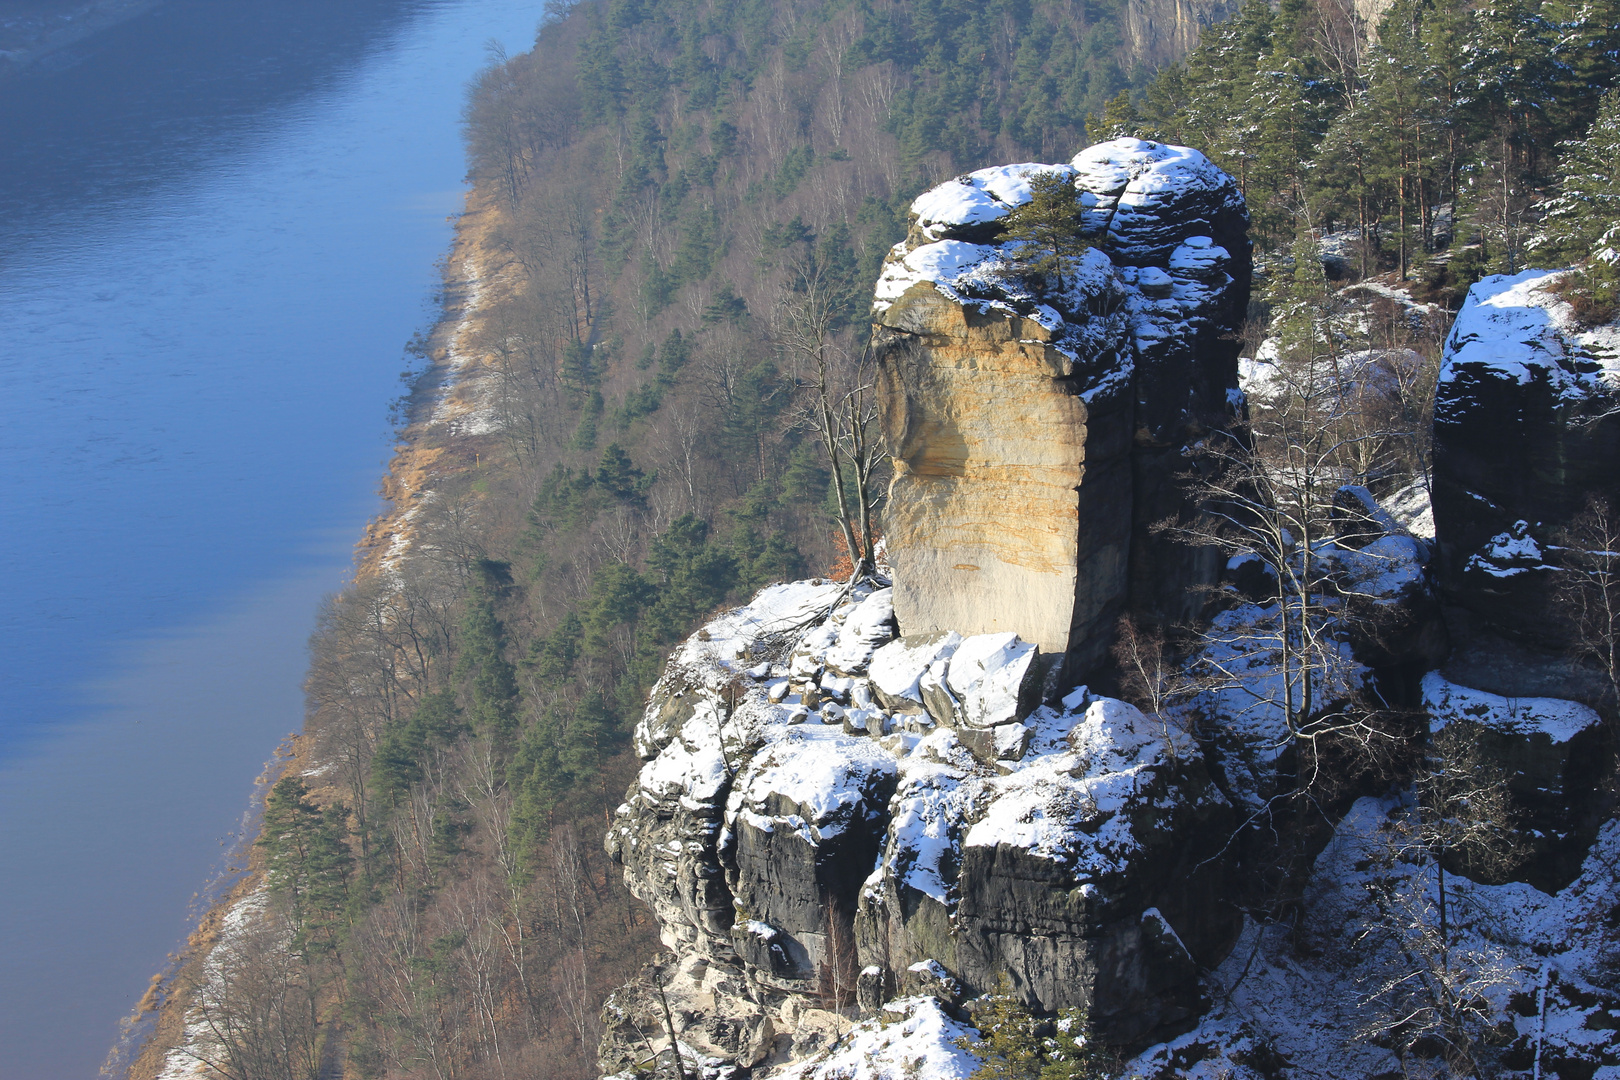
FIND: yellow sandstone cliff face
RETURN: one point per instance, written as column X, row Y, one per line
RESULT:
column 997, row 462
column 1039, row 428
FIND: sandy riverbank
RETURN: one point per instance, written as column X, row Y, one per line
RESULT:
column 450, row 418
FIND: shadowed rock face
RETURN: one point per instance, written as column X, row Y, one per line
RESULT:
column 1037, row 435
column 1519, row 444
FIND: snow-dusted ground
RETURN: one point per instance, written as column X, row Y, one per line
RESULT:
column 912, row 1039
column 189, row 1060
column 1290, row 1000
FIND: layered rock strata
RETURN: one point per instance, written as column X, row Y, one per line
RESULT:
column 1036, row 432
column 831, row 815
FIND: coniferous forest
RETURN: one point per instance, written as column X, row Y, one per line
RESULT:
column 682, row 207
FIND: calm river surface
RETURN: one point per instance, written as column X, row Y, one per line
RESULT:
column 218, row 226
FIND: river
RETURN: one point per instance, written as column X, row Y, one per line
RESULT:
column 219, row 224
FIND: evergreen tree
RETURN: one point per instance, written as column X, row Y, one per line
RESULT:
column 1584, row 218
column 1118, row 121
column 488, row 680
column 617, row 475
column 1041, row 242
column 539, row 778
column 693, row 577
column 403, row 745
column 307, row 863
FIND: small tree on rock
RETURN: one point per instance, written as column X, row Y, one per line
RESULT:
column 1042, row 241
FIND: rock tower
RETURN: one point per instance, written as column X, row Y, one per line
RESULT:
column 1036, row 436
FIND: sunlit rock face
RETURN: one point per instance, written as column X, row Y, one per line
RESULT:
column 1160, row 32
column 1035, row 437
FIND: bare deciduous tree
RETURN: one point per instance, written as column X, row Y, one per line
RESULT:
column 1589, row 588
column 835, row 381
column 258, row 1005
column 1430, row 999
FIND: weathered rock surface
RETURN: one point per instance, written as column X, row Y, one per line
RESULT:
column 1063, row 875
column 1160, row 32
column 812, row 836
column 1036, row 436
column 1522, row 436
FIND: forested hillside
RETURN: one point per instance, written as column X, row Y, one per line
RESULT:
column 684, row 207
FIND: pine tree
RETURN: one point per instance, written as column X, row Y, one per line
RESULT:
column 1584, row 218
column 307, row 863
column 488, row 679
column 402, row 747
column 1397, row 94
column 1041, row 243
column 1119, row 120
column 618, row 476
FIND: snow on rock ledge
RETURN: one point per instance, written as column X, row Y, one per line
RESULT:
column 804, row 829
column 1551, row 753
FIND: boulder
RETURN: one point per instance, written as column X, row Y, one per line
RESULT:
column 995, row 679
column 897, row 668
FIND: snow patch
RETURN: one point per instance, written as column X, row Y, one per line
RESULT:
column 913, row 1040
column 1555, row 718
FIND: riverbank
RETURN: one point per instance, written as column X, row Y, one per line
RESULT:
column 450, row 420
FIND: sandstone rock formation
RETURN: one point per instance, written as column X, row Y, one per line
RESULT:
column 1160, row 32
column 1035, row 436
column 830, row 814
column 1523, row 433
column 1550, row 751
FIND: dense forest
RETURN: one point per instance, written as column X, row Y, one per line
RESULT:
column 687, row 203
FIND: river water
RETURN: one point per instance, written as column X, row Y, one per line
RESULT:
column 218, row 225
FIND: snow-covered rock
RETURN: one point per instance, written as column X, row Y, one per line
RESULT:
column 1299, row 1000
column 799, row 857
column 898, row 668
column 994, row 678
column 1525, row 431
column 1551, row 753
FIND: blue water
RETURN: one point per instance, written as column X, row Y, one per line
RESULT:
column 218, row 226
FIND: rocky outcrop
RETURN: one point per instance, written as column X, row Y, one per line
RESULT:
column 1083, row 876
column 1524, row 432
column 1160, row 32
column 830, row 815
column 1036, row 434
column 1550, row 752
